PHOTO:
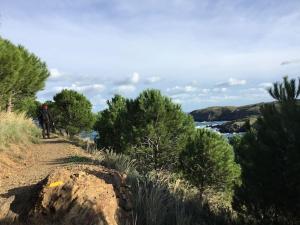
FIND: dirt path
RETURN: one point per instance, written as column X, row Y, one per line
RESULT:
column 40, row 160
column 89, row 193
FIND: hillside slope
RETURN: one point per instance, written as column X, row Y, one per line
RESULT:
column 226, row 113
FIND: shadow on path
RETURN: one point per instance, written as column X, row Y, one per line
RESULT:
column 56, row 141
column 73, row 160
column 25, row 198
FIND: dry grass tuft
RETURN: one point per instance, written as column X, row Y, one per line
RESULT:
column 16, row 128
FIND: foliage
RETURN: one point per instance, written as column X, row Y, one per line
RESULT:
column 17, row 129
column 151, row 128
column 156, row 199
column 270, row 157
column 110, row 124
column 72, row 112
column 161, row 130
column 120, row 162
column 22, row 74
column 208, row 162
column 29, row 105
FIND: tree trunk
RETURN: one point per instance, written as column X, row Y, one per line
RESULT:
column 155, row 160
column 9, row 107
column 1, row 99
column 156, row 150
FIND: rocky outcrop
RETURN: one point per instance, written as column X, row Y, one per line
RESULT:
column 81, row 195
column 236, row 126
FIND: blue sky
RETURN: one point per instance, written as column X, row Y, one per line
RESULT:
column 199, row 52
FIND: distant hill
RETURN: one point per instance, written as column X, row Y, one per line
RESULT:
column 236, row 116
column 226, row 113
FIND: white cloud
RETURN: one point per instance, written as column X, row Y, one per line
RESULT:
column 224, row 97
column 135, row 78
column 153, row 79
column 190, row 88
column 124, row 89
column 290, row 62
column 266, row 85
column 177, row 100
column 182, row 89
column 128, row 84
column 201, row 47
column 204, row 99
column 232, row 82
column 205, row 90
column 248, row 92
column 258, row 94
column 98, row 101
column 55, row 73
column 131, row 80
column 254, row 90
column 87, row 89
column 219, row 89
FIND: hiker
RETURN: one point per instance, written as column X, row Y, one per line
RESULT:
column 45, row 120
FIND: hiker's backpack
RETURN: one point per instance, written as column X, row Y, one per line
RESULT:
column 45, row 116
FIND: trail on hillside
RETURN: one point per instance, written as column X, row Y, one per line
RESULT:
column 56, row 182
column 33, row 163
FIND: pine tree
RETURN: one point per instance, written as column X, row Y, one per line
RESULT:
column 111, row 124
column 208, row 162
column 160, row 131
column 151, row 128
column 270, row 159
column 10, row 64
column 22, row 74
column 72, row 112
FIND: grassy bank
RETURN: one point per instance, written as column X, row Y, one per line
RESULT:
column 17, row 129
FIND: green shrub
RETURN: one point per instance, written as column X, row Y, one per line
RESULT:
column 152, row 128
column 208, row 163
column 120, row 162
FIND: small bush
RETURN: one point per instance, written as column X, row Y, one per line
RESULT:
column 208, row 163
column 119, row 162
column 17, row 129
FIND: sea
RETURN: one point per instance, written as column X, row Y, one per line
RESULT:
column 212, row 126
column 205, row 124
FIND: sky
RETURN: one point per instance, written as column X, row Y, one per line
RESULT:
column 198, row 52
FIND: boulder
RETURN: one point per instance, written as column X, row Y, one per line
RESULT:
column 81, row 195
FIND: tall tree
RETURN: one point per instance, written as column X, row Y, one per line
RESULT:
column 270, row 160
column 22, row 73
column 151, row 128
column 160, row 130
column 111, row 124
column 72, row 112
column 10, row 64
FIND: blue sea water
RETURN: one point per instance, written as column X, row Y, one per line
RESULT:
column 92, row 135
column 211, row 125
